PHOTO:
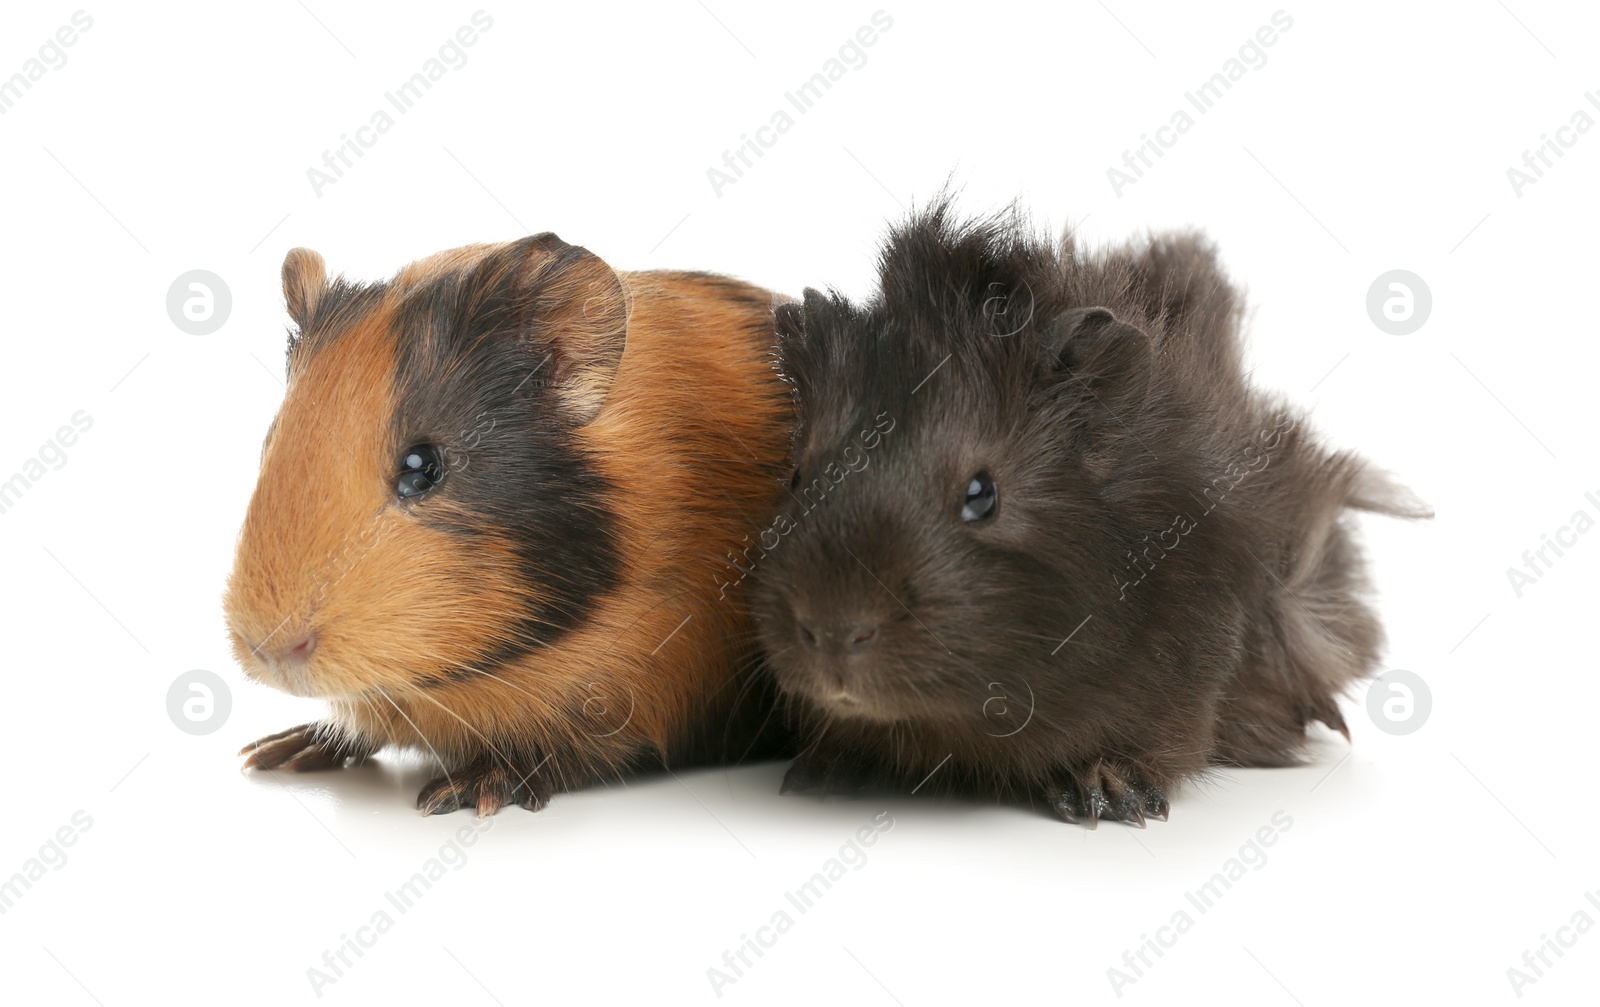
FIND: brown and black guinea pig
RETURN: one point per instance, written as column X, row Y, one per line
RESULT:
column 492, row 515
column 1043, row 540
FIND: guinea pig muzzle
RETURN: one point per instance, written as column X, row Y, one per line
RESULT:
column 838, row 653
column 282, row 659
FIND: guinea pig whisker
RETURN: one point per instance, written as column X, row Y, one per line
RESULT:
column 510, row 763
column 658, row 604
column 816, row 740
column 492, row 676
column 378, row 713
column 424, row 737
column 511, row 685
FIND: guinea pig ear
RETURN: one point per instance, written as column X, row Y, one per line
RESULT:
column 566, row 303
column 789, row 320
column 1109, row 356
column 814, row 312
column 304, row 277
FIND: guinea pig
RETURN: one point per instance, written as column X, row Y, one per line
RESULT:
column 491, row 518
column 1042, row 538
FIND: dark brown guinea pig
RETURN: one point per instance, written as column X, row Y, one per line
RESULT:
column 492, row 514
column 1043, row 541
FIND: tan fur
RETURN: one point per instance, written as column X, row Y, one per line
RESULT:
column 692, row 435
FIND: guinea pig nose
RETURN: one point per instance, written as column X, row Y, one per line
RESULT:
column 298, row 649
column 860, row 637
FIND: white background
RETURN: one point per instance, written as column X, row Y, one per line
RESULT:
column 1418, row 867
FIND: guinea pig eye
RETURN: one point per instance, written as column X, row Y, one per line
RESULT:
column 981, row 501
column 421, row 469
column 794, row 480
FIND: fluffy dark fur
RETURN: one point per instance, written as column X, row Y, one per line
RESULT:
column 1168, row 581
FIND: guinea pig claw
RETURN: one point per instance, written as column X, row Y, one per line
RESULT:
column 1111, row 796
column 1066, row 809
column 276, row 749
column 1098, row 805
column 804, row 776
column 809, row 776
column 1155, row 802
column 1331, row 716
column 494, row 790
column 302, row 749
column 1070, row 802
column 317, row 757
column 1130, row 810
column 485, row 785
column 262, row 742
column 439, row 797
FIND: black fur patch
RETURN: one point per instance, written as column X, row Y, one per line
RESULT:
column 484, row 396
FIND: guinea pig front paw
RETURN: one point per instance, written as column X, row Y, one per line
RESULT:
column 812, row 775
column 303, row 749
column 487, row 783
column 1106, row 791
